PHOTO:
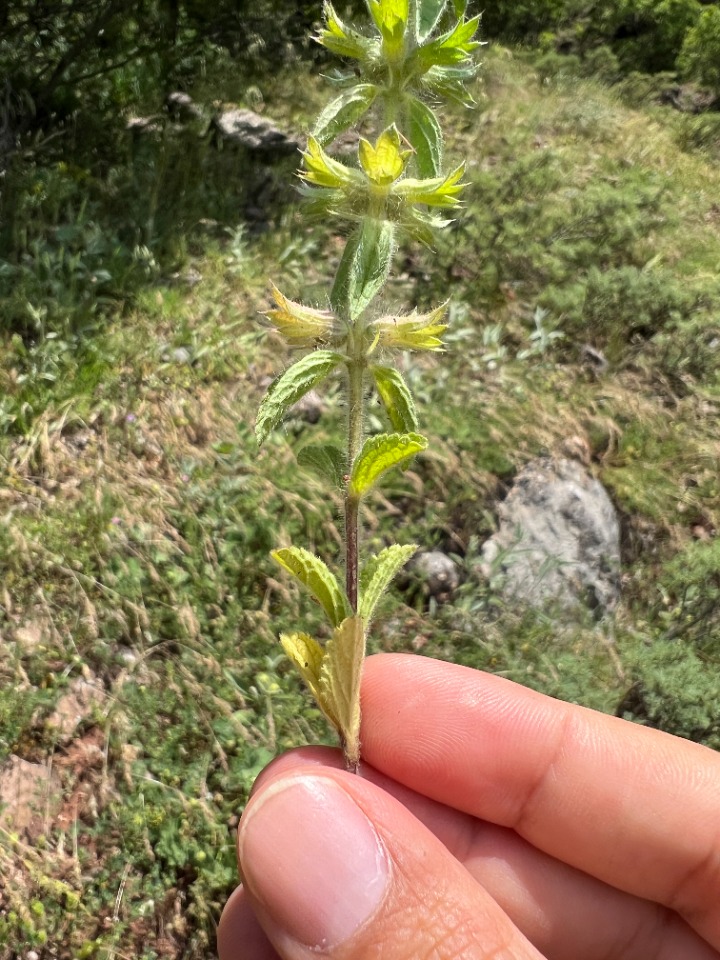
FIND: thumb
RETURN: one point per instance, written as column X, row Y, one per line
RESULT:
column 333, row 865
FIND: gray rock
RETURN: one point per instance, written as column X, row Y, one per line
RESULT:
column 438, row 574
column 253, row 132
column 181, row 106
column 558, row 542
column 138, row 126
column 170, row 354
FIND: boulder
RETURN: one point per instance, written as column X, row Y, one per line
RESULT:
column 438, row 574
column 253, row 132
column 180, row 106
column 558, row 542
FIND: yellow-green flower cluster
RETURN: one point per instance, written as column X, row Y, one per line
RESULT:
column 416, row 331
column 300, row 326
column 403, row 51
column 378, row 188
column 309, row 327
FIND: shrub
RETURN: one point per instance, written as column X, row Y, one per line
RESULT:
column 626, row 303
column 674, row 691
column 700, row 54
column 517, row 21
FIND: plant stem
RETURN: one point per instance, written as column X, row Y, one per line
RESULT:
column 356, row 377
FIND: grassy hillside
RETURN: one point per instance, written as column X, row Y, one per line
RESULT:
column 137, row 514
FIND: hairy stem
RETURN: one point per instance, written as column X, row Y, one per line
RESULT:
column 356, row 377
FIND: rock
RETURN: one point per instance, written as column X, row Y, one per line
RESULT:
column 170, row 354
column 31, row 634
column 181, row 106
column 257, row 134
column 30, row 796
column 688, row 98
column 558, row 541
column 74, row 707
column 438, row 574
column 577, row 448
column 189, row 278
column 138, row 126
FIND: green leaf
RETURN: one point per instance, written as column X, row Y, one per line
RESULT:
column 363, row 268
column 344, row 112
column 342, row 39
column 379, row 454
column 326, row 459
column 377, row 574
column 340, row 677
column 391, row 17
column 449, row 49
column 428, row 13
column 307, row 656
column 290, row 387
column 396, row 397
column 425, row 134
column 315, row 575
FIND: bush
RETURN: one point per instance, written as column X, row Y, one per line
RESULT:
column 675, row 691
column 645, row 35
column 517, row 21
column 690, row 590
column 626, row 303
column 700, row 133
column 700, row 54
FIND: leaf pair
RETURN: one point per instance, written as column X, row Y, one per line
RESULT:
column 314, row 574
column 334, row 672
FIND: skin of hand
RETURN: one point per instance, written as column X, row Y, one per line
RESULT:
column 489, row 822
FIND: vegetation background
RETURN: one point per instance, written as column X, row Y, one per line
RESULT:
column 136, row 515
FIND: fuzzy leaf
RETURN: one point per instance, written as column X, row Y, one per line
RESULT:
column 426, row 137
column 363, row 269
column 315, row 575
column 342, row 39
column 428, row 13
column 380, row 453
column 322, row 171
column 340, row 677
column 397, row 399
column 449, row 49
column 325, row 459
column 344, row 112
column 391, row 17
column 307, row 656
column 377, row 575
column 290, row 387
column 435, row 191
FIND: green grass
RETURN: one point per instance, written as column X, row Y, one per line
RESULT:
column 137, row 513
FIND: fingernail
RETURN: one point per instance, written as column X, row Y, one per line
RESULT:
column 313, row 859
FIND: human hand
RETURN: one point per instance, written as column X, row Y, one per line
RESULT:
column 490, row 823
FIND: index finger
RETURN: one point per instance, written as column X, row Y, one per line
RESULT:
column 634, row 807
